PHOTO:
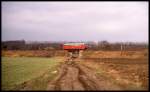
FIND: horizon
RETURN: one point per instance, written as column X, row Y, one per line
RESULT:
column 76, row 41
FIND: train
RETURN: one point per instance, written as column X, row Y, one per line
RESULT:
column 74, row 49
column 74, row 46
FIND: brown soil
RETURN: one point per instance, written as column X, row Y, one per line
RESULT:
column 96, row 74
column 78, row 77
column 130, row 74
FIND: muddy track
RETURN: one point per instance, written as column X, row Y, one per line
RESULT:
column 76, row 77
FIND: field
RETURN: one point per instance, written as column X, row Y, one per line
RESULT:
column 33, row 53
column 96, row 70
column 128, row 74
column 16, row 70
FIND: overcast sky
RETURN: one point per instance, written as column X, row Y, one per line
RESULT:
column 75, row 21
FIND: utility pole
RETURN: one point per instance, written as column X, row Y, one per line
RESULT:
column 121, row 48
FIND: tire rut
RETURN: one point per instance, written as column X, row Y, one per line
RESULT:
column 75, row 77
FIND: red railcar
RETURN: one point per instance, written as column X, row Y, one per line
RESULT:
column 74, row 46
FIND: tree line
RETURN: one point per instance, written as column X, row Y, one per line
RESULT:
column 101, row 45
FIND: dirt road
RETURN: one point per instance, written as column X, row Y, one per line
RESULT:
column 93, row 75
column 78, row 77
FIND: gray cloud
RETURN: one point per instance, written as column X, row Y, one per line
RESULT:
column 75, row 21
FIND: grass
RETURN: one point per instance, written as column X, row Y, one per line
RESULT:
column 16, row 70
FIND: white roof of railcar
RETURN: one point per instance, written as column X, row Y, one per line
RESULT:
column 74, row 43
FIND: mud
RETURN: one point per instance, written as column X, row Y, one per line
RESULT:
column 78, row 77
